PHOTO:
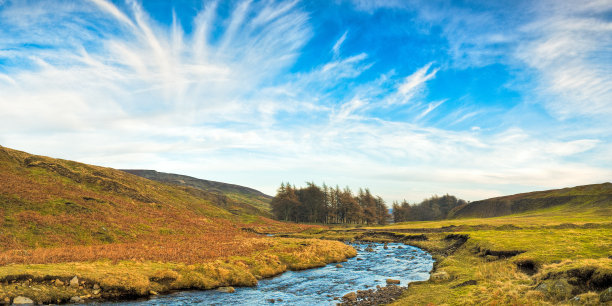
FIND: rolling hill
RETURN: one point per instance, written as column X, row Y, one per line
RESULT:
column 595, row 197
column 71, row 231
column 48, row 202
column 234, row 198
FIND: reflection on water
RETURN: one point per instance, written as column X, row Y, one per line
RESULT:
column 317, row 286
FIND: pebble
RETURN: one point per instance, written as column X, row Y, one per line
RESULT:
column 384, row 295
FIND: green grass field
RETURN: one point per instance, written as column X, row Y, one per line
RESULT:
column 562, row 257
column 553, row 256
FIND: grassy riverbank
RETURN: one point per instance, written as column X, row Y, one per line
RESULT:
column 546, row 257
column 104, row 279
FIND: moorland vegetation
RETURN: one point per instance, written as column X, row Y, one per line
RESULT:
column 122, row 235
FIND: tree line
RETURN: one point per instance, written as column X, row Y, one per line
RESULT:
column 434, row 208
column 314, row 204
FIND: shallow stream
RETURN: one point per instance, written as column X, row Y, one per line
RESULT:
column 317, row 286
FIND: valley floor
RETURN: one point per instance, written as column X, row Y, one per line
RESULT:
column 541, row 258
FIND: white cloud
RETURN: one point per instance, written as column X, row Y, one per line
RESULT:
column 112, row 9
column 430, row 107
column 570, row 52
column 338, row 44
column 147, row 95
column 415, row 81
column 414, row 84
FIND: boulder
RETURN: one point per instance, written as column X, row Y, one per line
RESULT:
column 606, row 295
column 440, row 276
column 76, row 299
column 96, row 291
column 557, row 289
column 74, row 282
column 226, row 289
column 338, row 266
column 96, row 287
column 393, row 281
column 22, row 300
column 151, row 292
column 369, row 249
column 59, row 283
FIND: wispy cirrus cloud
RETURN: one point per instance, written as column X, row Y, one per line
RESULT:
column 223, row 100
column 570, row 49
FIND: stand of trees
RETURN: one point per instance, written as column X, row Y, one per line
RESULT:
column 434, row 208
column 316, row 204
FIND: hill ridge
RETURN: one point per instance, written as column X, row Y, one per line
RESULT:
column 591, row 195
column 249, row 199
column 146, row 173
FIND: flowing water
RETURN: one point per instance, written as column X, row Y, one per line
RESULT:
column 318, row 286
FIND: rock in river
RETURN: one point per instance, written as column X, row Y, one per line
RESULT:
column 226, row 289
column 76, row 299
column 22, row 300
column 392, row 281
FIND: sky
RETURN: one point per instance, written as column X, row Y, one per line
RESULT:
column 408, row 98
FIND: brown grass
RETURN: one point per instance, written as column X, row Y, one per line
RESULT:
column 140, row 277
column 171, row 249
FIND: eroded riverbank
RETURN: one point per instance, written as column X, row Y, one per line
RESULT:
column 106, row 280
column 373, row 265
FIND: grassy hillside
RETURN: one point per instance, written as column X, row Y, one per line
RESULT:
column 235, row 198
column 129, row 235
column 579, row 199
column 46, row 202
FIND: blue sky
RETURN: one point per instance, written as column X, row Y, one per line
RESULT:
column 408, row 98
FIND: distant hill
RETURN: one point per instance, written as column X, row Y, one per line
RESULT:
column 48, row 202
column 227, row 195
column 579, row 198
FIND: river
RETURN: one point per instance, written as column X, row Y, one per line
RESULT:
column 317, row 286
